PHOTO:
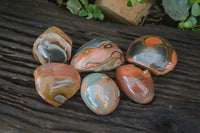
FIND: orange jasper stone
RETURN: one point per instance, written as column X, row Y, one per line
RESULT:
column 135, row 83
column 100, row 93
column 153, row 53
column 56, row 82
column 52, row 46
column 97, row 55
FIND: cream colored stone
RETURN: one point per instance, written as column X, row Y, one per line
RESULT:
column 117, row 10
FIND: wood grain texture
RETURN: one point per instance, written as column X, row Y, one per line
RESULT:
column 176, row 105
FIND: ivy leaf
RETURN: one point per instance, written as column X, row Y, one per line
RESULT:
column 193, row 19
column 188, row 24
column 95, row 15
column 195, row 9
column 141, row 1
column 198, row 1
column 85, row 2
column 133, row 2
column 90, row 15
column 74, row 6
column 95, row 8
column 191, row 2
column 100, row 16
column 176, row 9
column 196, row 30
column 83, row 13
column 181, row 25
column 129, row 4
column 89, row 8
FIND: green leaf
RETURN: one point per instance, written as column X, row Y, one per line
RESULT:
column 181, row 25
column 89, row 8
column 83, row 13
column 195, row 9
column 141, row 1
column 176, row 9
column 191, row 2
column 90, row 15
column 95, row 15
column 85, row 2
column 198, row 1
column 193, row 19
column 100, row 16
column 129, row 4
column 74, row 6
column 196, row 30
column 95, row 8
column 188, row 24
column 133, row 2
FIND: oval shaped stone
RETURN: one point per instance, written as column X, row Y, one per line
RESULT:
column 100, row 93
column 135, row 83
column 52, row 46
column 153, row 53
column 56, row 82
column 97, row 55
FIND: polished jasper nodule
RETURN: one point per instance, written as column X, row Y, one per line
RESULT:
column 97, row 55
column 153, row 53
column 56, row 82
column 100, row 93
column 135, row 83
column 52, row 46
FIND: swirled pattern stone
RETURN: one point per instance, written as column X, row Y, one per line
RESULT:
column 52, row 46
column 100, row 93
column 153, row 53
column 56, row 82
column 97, row 55
column 135, row 83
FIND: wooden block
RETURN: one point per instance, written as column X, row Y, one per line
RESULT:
column 117, row 10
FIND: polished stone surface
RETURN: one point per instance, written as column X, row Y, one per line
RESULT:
column 135, row 83
column 52, row 46
column 56, row 82
column 153, row 53
column 100, row 93
column 97, row 55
